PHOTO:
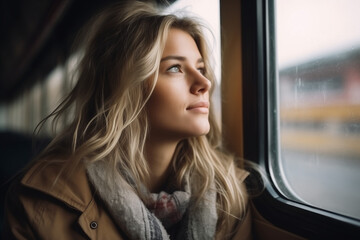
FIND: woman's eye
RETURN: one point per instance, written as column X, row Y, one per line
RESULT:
column 201, row 70
column 174, row 69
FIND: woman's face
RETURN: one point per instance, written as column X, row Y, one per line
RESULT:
column 179, row 105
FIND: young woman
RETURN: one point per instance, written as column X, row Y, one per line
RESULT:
column 142, row 157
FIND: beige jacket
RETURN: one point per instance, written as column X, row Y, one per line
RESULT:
column 37, row 209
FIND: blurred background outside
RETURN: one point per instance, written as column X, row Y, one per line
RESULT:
column 318, row 52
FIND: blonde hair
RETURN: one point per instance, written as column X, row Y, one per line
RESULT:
column 116, row 76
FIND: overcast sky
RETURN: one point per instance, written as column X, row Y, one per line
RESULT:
column 313, row 28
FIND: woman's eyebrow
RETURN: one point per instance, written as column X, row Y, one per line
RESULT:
column 171, row 57
column 179, row 58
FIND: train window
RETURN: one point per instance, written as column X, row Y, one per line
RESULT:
column 316, row 106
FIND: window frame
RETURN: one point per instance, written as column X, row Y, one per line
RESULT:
column 260, row 134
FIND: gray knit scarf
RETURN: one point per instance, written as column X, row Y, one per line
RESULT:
column 138, row 222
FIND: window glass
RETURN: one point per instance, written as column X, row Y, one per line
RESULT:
column 318, row 102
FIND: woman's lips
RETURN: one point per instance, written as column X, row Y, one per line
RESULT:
column 200, row 107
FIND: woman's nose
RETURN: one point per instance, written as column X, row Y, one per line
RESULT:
column 200, row 84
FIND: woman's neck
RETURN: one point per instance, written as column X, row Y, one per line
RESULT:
column 159, row 155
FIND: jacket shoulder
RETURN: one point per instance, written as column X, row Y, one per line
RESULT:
column 15, row 213
column 33, row 214
column 50, row 177
column 45, row 204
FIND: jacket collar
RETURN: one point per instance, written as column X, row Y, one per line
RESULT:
column 45, row 176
